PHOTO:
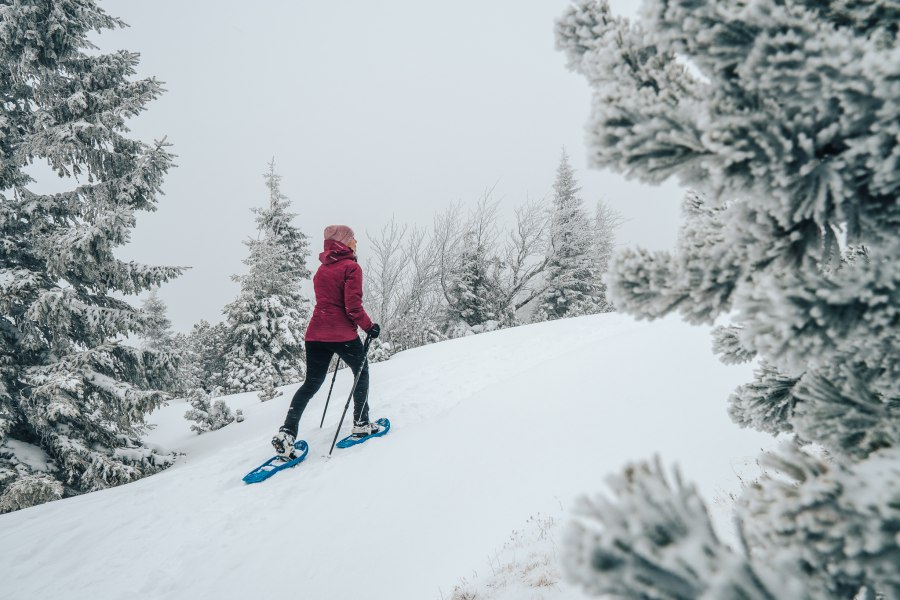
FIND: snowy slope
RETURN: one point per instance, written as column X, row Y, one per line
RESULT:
column 487, row 431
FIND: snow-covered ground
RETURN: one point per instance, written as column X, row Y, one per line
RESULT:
column 493, row 437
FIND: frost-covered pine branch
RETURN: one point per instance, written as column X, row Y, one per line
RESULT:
column 834, row 520
column 728, row 346
column 783, row 117
column 767, row 403
column 654, row 539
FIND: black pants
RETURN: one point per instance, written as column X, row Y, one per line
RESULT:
column 318, row 357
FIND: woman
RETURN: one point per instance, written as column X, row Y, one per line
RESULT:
column 332, row 330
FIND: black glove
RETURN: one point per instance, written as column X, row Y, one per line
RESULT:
column 374, row 330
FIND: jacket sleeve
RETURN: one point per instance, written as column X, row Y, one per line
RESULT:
column 353, row 297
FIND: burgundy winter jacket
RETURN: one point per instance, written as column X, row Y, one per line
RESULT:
column 338, row 287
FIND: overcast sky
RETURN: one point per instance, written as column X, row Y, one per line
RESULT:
column 370, row 109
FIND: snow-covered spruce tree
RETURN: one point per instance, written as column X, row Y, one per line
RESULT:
column 603, row 240
column 473, row 290
column 786, row 124
column 267, row 320
column 208, row 345
column 470, row 277
column 70, row 390
column 189, row 370
column 569, row 280
column 158, row 337
column 158, row 332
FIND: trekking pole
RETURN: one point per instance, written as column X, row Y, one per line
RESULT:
column 353, row 389
column 336, row 366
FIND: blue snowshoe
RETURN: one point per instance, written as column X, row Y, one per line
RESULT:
column 382, row 426
column 278, row 463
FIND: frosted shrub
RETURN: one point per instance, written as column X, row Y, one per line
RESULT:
column 208, row 414
column 30, row 490
column 784, row 119
column 379, row 351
